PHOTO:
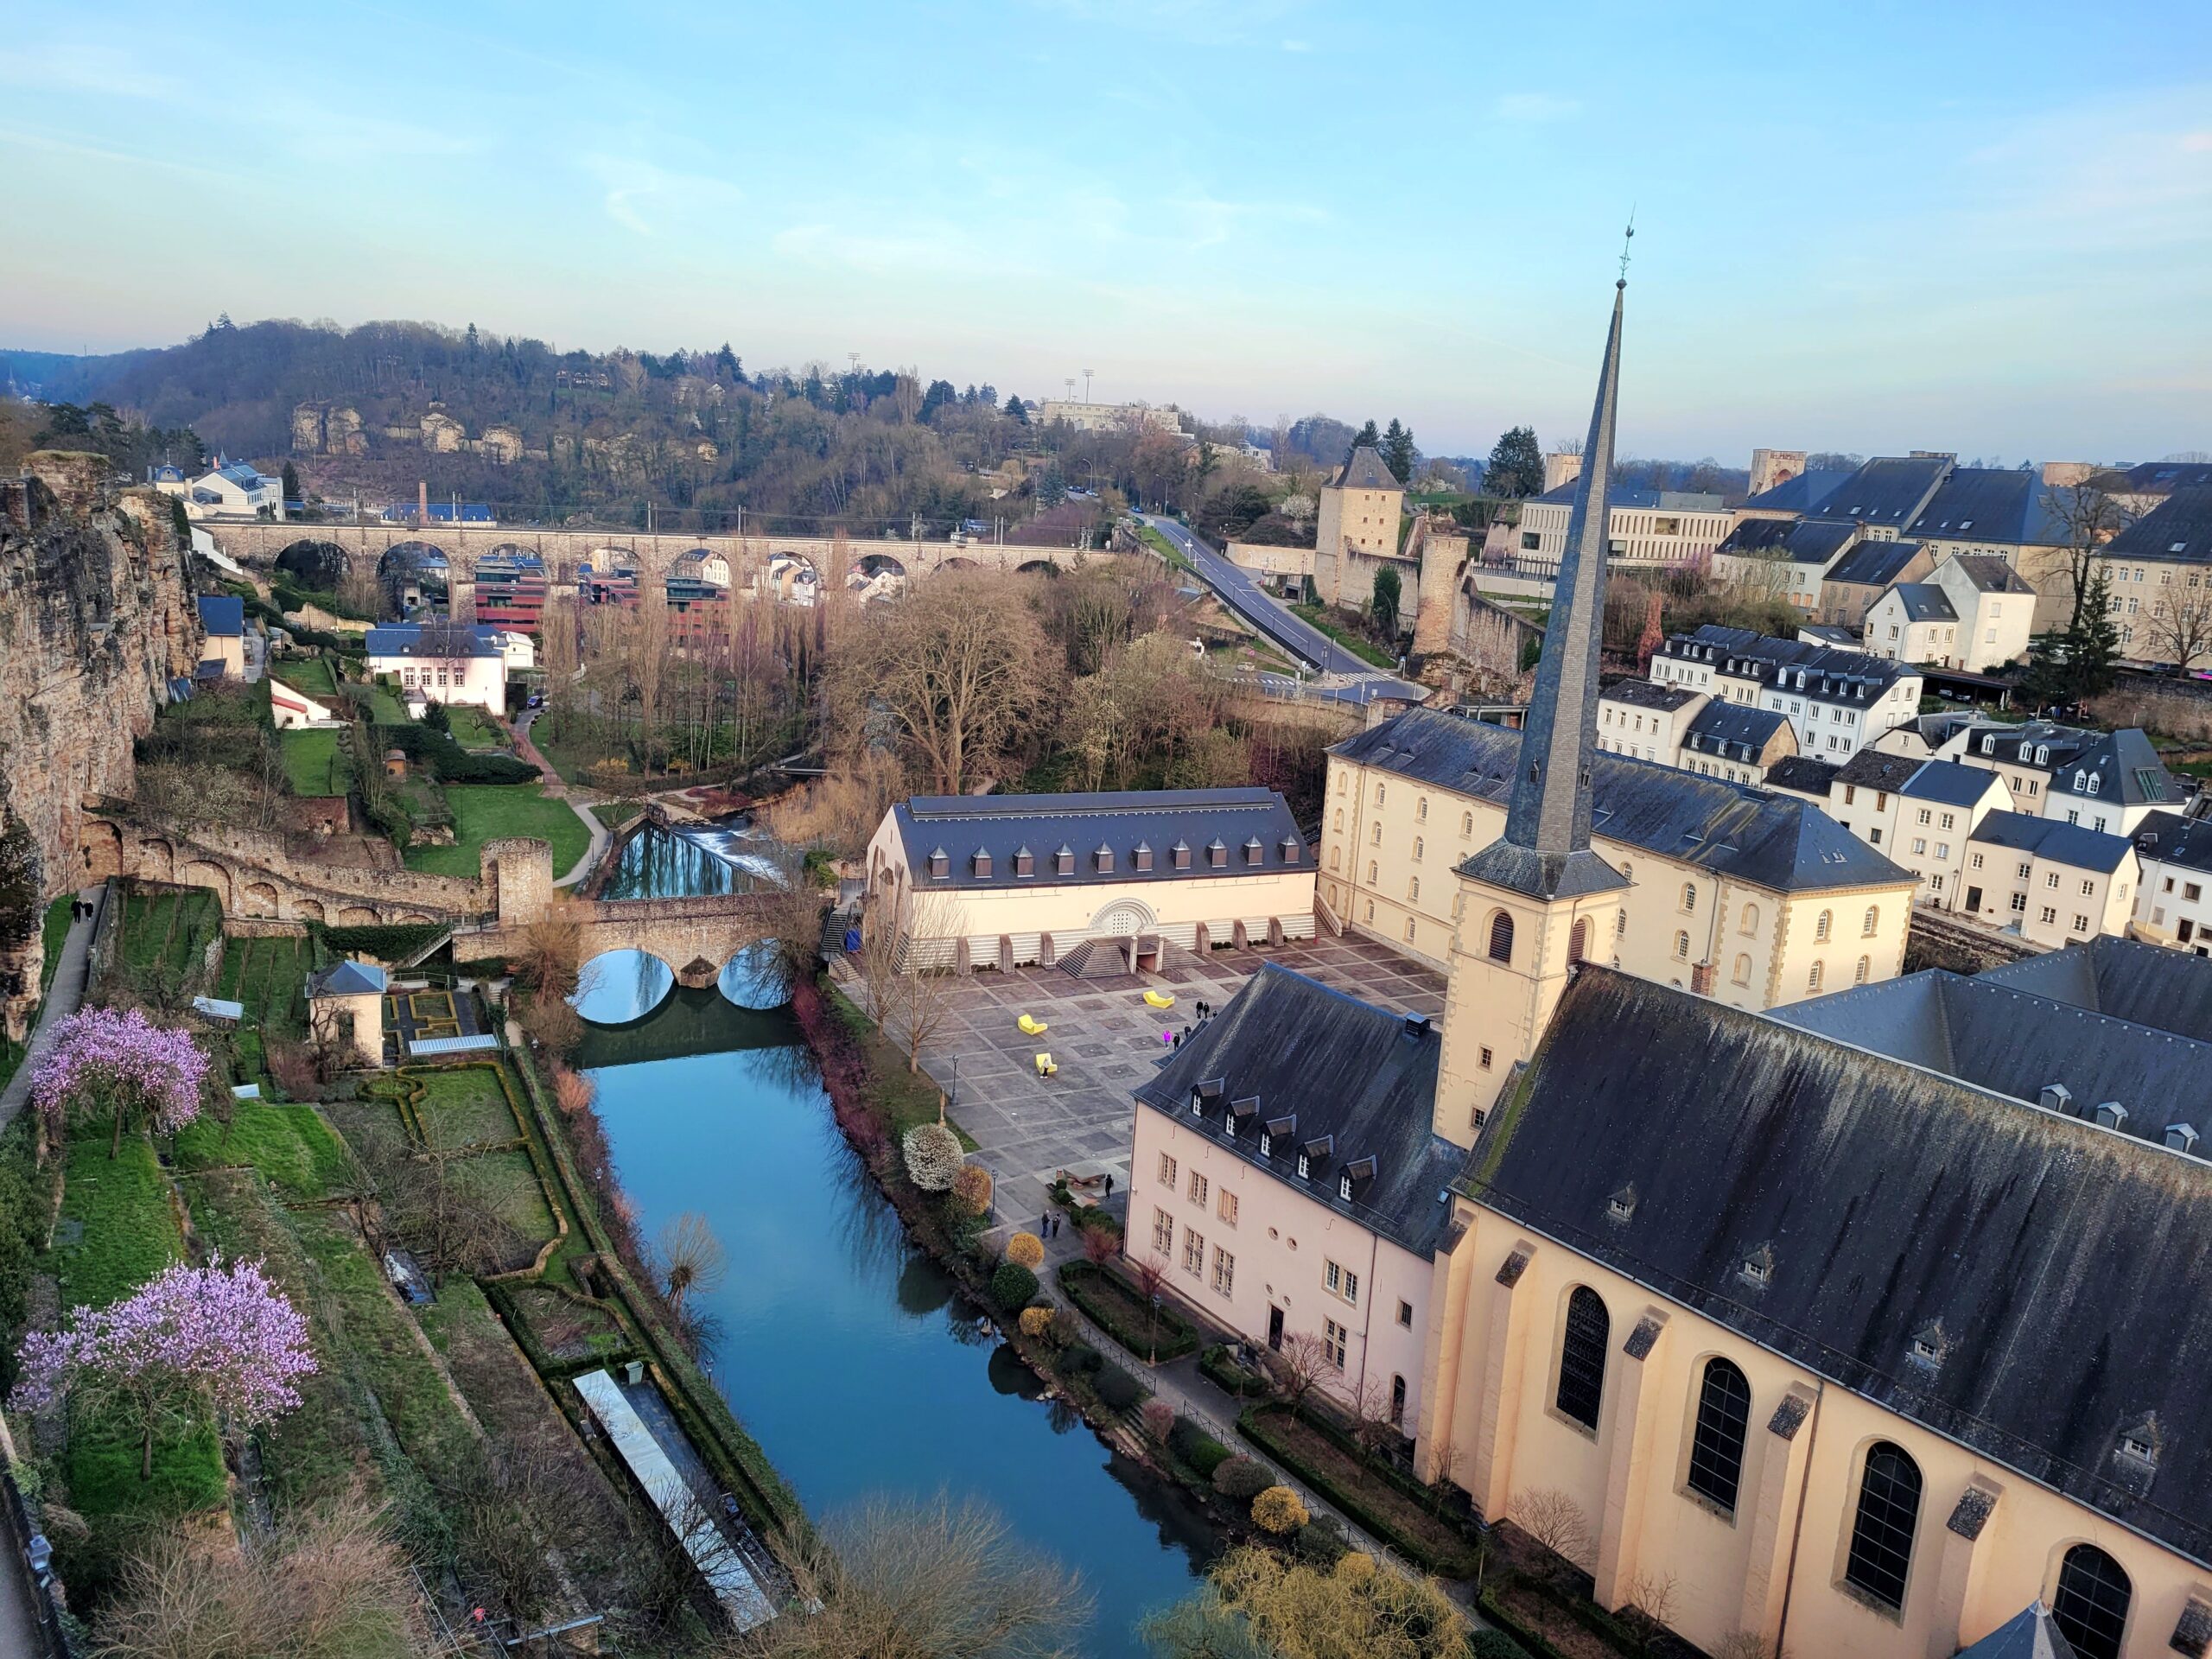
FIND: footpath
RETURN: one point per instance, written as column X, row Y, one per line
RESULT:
column 558, row 788
column 64, row 992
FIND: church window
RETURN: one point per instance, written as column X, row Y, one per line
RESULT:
column 1882, row 1530
column 1689, row 898
column 1813, row 977
column 1501, row 936
column 1421, row 809
column 1724, row 1410
column 1858, row 975
column 1681, row 947
column 2090, row 1606
column 1743, row 972
column 1420, row 847
column 1873, row 920
column 1578, row 943
column 1582, row 1357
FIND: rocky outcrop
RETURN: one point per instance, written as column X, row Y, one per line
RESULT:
column 96, row 618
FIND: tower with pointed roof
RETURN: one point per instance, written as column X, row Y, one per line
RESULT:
column 1538, row 900
column 1356, row 532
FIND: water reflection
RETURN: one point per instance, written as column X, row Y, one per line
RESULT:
column 621, row 985
column 656, row 863
column 755, row 979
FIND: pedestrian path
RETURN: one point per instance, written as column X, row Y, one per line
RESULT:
column 579, row 802
column 64, row 992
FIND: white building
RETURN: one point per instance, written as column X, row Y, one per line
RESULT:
column 1105, row 417
column 234, row 490
column 1838, row 701
column 2172, row 906
column 2053, row 883
column 1920, row 813
column 442, row 662
column 1661, row 527
column 1973, row 612
column 2108, row 781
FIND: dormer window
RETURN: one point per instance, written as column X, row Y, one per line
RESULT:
column 2027, row 751
column 1305, row 1167
column 981, row 863
column 1928, row 1345
column 1758, row 1267
column 1253, row 850
column 1144, row 856
column 2042, row 754
column 1267, row 1144
column 1290, row 849
column 1103, row 859
column 2080, row 776
column 1181, row 852
column 940, row 865
column 2135, row 1444
column 1063, row 862
column 1025, row 862
column 1343, row 1186
column 1217, row 853
column 2096, row 779
column 1622, row 1205
column 1989, row 744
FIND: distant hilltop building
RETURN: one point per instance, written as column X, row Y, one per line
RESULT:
column 228, row 489
column 1105, row 417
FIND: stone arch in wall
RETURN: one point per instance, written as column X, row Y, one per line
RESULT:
column 308, row 910
column 201, row 874
column 954, row 562
column 156, row 861
column 1037, row 567
column 356, row 916
column 259, row 899
column 1121, row 918
column 102, row 844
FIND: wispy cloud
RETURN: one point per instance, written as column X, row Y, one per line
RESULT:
column 638, row 194
column 1298, row 46
column 81, row 67
column 1535, row 106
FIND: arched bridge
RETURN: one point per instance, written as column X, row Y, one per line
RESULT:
column 696, row 936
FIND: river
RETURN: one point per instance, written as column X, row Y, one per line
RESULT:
column 849, row 1355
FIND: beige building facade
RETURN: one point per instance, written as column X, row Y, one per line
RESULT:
column 1359, row 530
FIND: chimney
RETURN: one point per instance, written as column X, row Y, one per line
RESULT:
column 2057, row 1097
column 422, row 501
column 2111, row 1115
column 2181, row 1137
column 1416, row 1026
column 1560, row 469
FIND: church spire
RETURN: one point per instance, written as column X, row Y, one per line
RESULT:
column 1545, row 851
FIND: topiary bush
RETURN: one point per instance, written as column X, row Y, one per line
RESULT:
column 1198, row 1448
column 971, row 1189
column 1037, row 1323
column 1081, row 1359
column 933, row 1157
column 1012, row 1285
column 1027, row 1249
column 1242, row 1480
column 1280, row 1511
column 1117, row 1388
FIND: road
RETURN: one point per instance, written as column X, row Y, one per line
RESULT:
column 1274, row 622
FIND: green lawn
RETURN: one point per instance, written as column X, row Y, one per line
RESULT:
column 384, row 706
column 467, row 1106
column 56, row 935
column 483, row 812
column 270, row 977
column 309, row 676
column 173, row 929
column 1160, row 544
column 291, row 1145
column 1365, row 649
column 472, row 730
column 315, row 762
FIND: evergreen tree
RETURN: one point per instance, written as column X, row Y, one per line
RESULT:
column 2093, row 641
column 474, row 342
column 1516, row 466
column 1382, row 605
column 1366, row 438
column 1397, row 451
column 1015, row 410
column 726, row 363
column 292, row 483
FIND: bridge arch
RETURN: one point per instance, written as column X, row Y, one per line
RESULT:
column 955, row 561
column 1037, row 567
column 881, row 565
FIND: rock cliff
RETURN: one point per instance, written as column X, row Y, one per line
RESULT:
column 96, row 618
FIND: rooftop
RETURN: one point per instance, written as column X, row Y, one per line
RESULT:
column 1991, row 504
column 347, row 978
column 1799, row 540
column 1804, row 774
column 1874, row 564
column 1923, row 601
column 2177, row 529
column 1888, row 491
column 1114, row 835
column 1988, row 573
column 1947, row 782
column 1808, row 492
column 2053, row 839
column 436, row 639
column 1645, row 693
column 223, row 615
column 1721, row 726
column 1772, row 841
column 1365, row 469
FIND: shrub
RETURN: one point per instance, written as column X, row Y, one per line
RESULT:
column 1198, row 1448
column 1081, row 1359
column 449, row 762
column 1067, row 1330
column 1037, row 1322
column 1012, row 1285
column 1160, row 1421
column 1027, row 1249
column 933, row 1157
column 971, row 1189
column 1242, row 1480
column 1279, row 1511
column 1117, row 1388
column 1321, row 1543
column 1491, row 1644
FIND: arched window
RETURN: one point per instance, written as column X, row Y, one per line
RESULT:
column 1375, row 834
column 1743, row 975
column 1859, row 973
column 1501, row 936
column 1881, row 1532
column 1578, row 941
column 1420, row 846
column 1421, row 809
column 1370, row 871
column 1751, row 923
column 1724, row 1408
column 1413, row 888
column 1821, row 926
column 1335, row 858
column 1813, row 977
column 1681, row 947
column 1873, row 920
column 1582, row 1356
column 1620, row 923
column 1689, row 898
column 1466, row 824
column 2091, row 1602
column 1340, row 819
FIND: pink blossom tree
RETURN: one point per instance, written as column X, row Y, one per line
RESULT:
column 125, row 1061
column 213, row 1336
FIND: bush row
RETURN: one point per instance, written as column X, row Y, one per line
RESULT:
column 451, row 764
column 388, row 941
column 1255, row 1425
column 1225, row 1374
column 1118, row 1308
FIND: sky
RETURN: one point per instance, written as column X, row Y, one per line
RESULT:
column 1873, row 228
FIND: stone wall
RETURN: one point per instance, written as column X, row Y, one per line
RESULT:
column 96, row 618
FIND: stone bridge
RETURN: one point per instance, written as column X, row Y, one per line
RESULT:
column 749, row 557
column 696, row 936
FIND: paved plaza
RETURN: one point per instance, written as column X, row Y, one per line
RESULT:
column 1106, row 1039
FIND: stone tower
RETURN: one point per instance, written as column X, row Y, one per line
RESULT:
column 1538, row 900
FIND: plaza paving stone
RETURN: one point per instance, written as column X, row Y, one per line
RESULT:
column 1106, row 1039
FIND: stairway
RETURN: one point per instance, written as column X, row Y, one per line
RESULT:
column 1098, row 959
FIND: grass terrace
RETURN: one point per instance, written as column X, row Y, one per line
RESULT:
column 316, row 762
column 310, row 675
column 269, row 976
column 1365, row 649
column 483, row 812
column 170, row 929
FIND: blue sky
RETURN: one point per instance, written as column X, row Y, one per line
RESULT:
column 1878, row 227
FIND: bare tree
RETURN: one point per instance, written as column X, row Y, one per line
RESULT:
column 1371, row 1424
column 2090, row 515
column 929, row 1579
column 1150, row 1274
column 550, row 957
column 1300, row 1365
column 1554, row 1520
column 1651, row 1604
column 503, row 1498
column 909, row 1002
column 1747, row 1644
column 2181, row 623
column 691, row 1258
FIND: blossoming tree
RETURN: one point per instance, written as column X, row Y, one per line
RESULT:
column 125, row 1062
column 213, row 1336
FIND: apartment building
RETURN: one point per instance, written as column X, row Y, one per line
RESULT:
column 1853, row 582
column 1973, row 612
column 1648, row 527
column 1838, row 701
column 2174, row 897
column 1783, row 558
column 2056, row 883
column 1646, row 721
column 1735, row 744
column 2159, row 574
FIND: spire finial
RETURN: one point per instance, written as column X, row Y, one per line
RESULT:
column 1627, row 237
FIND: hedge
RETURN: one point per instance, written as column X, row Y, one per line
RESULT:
column 1490, row 1644
column 1118, row 1308
column 1118, row 1388
column 1255, row 1426
column 387, row 941
column 1198, row 1448
column 1228, row 1375
column 1012, row 1285
column 451, row 764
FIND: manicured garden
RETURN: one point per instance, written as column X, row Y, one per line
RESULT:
column 483, row 812
column 470, row 728
column 269, row 976
column 1123, row 1312
column 309, row 676
column 1393, row 1507
column 316, row 763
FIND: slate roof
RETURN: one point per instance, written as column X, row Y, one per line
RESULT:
column 1120, row 820
column 1771, row 841
column 2053, row 839
column 1801, row 540
column 2123, row 766
column 1889, row 490
column 1364, row 469
column 2058, row 745
column 1625, row 495
column 2177, row 529
column 239, row 474
column 1874, row 564
column 1808, row 492
column 1988, row 573
column 1645, row 694
column 1991, row 504
column 2172, row 839
column 1721, row 726
column 1360, row 1078
column 1924, row 601
column 347, row 979
column 2052, row 1251
column 222, row 614
column 406, row 640
column 1802, row 773
column 2162, row 477
column 1830, row 676
column 2031, row 1633
column 1948, row 783
column 2144, row 984
column 1879, row 769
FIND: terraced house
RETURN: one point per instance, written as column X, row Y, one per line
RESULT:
column 1870, row 1322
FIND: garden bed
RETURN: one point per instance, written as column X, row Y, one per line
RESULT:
column 1232, row 1379
column 1119, row 1309
column 1380, row 1500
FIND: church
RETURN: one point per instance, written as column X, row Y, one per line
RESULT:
column 1832, row 1307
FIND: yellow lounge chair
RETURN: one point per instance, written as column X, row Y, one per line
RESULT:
column 1031, row 1025
column 1046, row 1067
column 1160, row 999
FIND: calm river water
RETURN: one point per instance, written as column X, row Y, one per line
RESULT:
column 849, row 1355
